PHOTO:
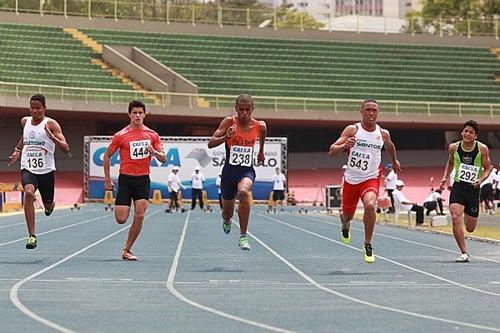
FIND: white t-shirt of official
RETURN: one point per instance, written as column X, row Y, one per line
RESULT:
column 197, row 180
column 391, row 180
column 174, row 181
column 434, row 196
column 399, row 197
column 497, row 179
column 218, row 184
column 279, row 182
column 488, row 180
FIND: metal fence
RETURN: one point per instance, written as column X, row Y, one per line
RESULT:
column 250, row 17
column 274, row 103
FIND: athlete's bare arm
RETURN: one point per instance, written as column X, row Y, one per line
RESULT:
column 485, row 153
column 54, row 132
column 157, row 151
column 262, row 139
column 391, row 149
column 345, row 141
column 108, row 184
column 452, row 148
column 19, row 147
column 221, row 134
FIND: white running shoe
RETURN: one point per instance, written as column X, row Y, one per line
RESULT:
column 464, row 257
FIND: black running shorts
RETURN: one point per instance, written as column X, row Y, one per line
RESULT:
column 44, row 183
column 132, row 188
column 466, row 195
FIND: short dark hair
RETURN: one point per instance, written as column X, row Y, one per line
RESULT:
column 244, row 96
column 370, row 100
column 473, row 124
column 40, row 98
column 136, row 104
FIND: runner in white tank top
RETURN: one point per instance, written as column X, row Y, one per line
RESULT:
column 364, row 157
column 36, row 147
column 363, row 142
column 37, row 155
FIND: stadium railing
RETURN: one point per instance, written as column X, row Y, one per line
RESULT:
column 249, row 17
column 275, row 103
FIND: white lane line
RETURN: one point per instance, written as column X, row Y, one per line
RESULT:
column 388, row 260
column 180, row 296
column 45, row 219
column 320, row 219
column 357, row 300
column 57, row 229
column 14, row 291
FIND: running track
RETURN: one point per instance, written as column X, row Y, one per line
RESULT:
column 191, row 277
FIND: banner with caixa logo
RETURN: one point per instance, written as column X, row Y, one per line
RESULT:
column 187, row 153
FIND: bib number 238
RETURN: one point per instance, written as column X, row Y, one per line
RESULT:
column 242, row 156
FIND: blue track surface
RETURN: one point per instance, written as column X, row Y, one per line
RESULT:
column 191, row 277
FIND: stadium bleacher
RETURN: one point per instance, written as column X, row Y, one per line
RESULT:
column 48, row 56
column 319, row 69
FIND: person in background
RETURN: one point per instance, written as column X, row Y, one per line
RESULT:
column 279, row 182
column 390, row 184
column 174, row 186
column 197, row 180
column 402, row 203
column 218, row 183
column 434, row 202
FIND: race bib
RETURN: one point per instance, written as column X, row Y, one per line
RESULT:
column 242, row 156
column 35, row 159
column 468, row 173
column 139, row 149
column 359, row 163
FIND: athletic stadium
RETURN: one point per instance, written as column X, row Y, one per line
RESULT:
column 188, row 63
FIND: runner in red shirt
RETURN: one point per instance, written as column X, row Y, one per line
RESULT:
column 137, row 144
column 239, row 134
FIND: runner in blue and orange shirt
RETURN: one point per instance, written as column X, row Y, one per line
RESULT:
column 137, row 144
column 239, row 134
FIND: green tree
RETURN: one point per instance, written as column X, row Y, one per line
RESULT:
column 296, row 19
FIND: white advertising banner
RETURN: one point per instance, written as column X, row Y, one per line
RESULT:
column 187, row 153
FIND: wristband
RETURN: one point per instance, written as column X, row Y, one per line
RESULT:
column 17, row 149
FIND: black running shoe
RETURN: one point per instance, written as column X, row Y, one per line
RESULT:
column 50, row 210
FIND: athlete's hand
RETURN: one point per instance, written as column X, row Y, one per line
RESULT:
column 396, row 166
column 49, row 132
column 442, row 184
column 230, row 132
column 351, row 141
column 260, row 158
column 13, row 157
column 151, row 150
column 108, row 185
column 477, row 183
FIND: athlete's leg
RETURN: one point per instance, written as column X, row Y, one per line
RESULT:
column 29, row 207
column 228, row 208
column 457, row 212
column 121, row 213
column 244, row 188
column 470, row 223
column 369, row 200
column 140, row 208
